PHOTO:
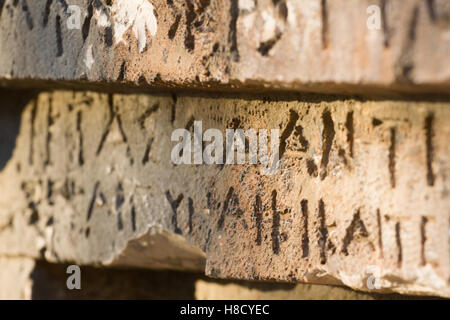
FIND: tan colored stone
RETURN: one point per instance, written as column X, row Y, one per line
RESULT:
column 214, row 290
column 362, row 195
column 312, row 45
column 91, row 177
column 15, row 282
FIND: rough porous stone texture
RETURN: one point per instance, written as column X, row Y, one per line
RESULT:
column 362, row 194
column 317, row 45
column 15, row 281
column 362, row 190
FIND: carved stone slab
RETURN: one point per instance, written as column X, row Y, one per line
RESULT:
column 361, row 197
column 317, row 45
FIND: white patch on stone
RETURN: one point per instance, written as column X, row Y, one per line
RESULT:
column 136, row 14
column 249, row 21
column 89, row 60
column 102, row 18
column 270, row 24
column 247, row 5
column 40, row 242
column 292, row 17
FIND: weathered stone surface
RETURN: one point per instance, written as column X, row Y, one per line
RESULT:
column 15, row 282
column 362, row 190
column 316, row 45
column 362, row 194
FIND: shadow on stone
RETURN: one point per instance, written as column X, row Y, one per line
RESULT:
column 12, row 103
column 49, row 282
